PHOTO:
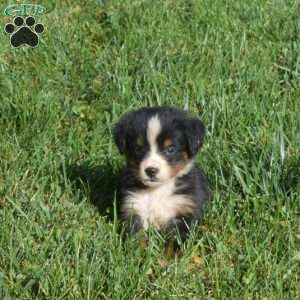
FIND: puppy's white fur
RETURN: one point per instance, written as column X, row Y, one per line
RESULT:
column 154, row 159
column 157, row 206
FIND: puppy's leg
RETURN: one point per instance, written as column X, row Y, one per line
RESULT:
column 177, row 228
column 133, row 225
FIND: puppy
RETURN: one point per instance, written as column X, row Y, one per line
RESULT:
column 160, row 185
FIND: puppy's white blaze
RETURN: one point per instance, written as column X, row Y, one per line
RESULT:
column 154, row 159
column 153, row 130
column 157, row 206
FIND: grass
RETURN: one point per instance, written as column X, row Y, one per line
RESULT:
column 235, row 64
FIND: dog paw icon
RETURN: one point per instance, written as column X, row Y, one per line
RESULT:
column 24, row 33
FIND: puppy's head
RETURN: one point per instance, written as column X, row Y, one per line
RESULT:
column 159, row 143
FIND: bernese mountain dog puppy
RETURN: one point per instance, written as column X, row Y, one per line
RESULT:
column 161, row 186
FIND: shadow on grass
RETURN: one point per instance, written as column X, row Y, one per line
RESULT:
column 98, row 183
column 290, row 177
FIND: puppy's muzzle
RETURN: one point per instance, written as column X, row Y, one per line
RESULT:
column 151, row 172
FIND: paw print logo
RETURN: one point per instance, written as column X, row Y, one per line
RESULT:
column 24, row 33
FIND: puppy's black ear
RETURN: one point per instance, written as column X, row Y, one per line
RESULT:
column 119, row 134
column 195, row 133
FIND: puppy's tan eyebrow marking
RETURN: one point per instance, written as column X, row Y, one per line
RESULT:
column 140, row 141
column 168, row 142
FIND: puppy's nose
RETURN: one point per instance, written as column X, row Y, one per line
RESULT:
column 151, row 172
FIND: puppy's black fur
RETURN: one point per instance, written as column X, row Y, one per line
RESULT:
column 160, row 185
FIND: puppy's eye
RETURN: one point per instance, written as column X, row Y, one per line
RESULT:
column 138, row 149
column 170, row 150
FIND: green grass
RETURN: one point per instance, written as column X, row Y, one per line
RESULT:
column 235, row 64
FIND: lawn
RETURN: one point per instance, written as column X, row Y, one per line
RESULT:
column 233, row 63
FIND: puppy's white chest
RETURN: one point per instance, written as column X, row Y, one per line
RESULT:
column 156, row 206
